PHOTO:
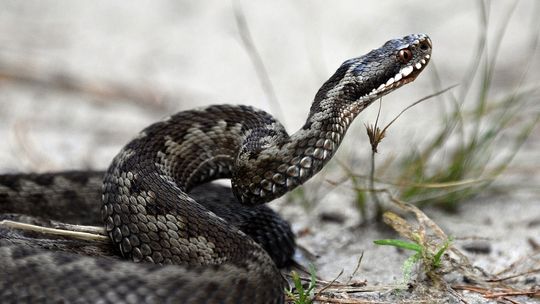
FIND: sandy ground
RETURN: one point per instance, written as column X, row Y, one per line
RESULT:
column 79, row 79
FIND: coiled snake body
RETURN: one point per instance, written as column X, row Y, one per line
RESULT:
column 150, row 216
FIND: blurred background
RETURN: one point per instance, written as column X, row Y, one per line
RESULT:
column 78, row 79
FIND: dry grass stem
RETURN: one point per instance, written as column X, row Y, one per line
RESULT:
column 104, row 91
column 97, row 234
column 256, row 60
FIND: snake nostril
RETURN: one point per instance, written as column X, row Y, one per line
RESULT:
column 424, row 45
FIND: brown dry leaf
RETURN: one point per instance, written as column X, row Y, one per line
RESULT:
column 399, row 224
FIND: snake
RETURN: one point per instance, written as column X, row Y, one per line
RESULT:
column 177, row 244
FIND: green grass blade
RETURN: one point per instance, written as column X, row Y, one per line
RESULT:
column 399, row 244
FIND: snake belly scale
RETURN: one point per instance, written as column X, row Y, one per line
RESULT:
column 185, row 251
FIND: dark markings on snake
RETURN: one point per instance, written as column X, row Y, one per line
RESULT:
column 184, row 240
column 329, row 85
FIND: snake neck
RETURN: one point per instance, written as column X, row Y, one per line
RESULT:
column 285, row 162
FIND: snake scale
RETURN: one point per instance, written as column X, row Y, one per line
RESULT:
column 191, row 248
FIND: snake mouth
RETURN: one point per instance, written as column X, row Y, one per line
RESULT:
column 405, row 75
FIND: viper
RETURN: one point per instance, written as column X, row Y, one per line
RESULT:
column 179, row 243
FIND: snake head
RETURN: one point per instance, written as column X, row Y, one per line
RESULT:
column 397, row 62
column 364, row 79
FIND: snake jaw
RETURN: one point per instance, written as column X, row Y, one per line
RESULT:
column 404, row 76
column 420, row 49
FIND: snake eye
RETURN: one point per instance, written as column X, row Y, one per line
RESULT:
column 405, row 55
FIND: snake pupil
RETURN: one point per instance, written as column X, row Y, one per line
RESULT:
column 405, row 55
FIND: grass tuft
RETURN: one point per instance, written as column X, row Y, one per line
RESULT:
column 300, row 294
column 431, row 259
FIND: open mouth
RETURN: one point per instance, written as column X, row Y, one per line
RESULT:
column 404, row 76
